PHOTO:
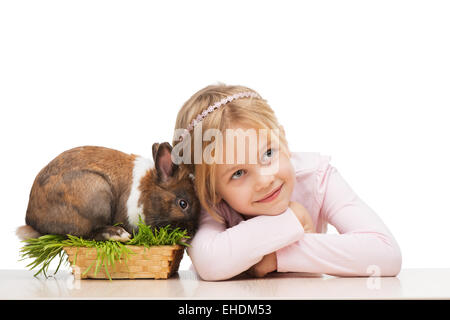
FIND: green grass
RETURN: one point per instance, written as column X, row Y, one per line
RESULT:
column 45, row 249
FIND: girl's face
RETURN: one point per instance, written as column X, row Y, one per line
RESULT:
column 262, row 188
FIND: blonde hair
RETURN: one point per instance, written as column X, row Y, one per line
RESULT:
column 254, row 112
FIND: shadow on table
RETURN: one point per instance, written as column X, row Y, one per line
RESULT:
column 297, row 286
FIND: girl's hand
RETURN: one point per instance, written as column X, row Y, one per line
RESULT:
column 302, row 216
column 266, row 265
column 269, row 262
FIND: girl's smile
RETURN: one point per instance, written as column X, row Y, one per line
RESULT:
column 271, row 195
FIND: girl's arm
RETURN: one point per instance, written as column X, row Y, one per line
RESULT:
column 218, row 253
column 364, row 246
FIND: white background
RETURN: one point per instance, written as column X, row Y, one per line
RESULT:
column 365, row 82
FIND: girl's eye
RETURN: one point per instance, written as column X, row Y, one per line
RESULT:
column 267, row 155
column 237, row 174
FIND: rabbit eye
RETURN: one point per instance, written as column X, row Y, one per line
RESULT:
column 183, row 204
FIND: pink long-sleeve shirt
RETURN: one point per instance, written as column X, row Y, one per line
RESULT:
column 363, row 247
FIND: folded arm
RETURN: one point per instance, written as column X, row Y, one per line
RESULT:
column 219, row 253
column 363, row 247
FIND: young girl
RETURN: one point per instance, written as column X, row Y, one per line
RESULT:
column 274, row 220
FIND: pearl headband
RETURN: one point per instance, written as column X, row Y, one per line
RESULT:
column 215, row 106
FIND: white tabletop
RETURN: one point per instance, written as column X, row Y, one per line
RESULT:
column 409, row 284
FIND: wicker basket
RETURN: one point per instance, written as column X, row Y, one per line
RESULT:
column 158, row 262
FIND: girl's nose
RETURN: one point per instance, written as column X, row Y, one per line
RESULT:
column 264, row 182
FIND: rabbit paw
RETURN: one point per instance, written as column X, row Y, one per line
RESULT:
column 113, row 233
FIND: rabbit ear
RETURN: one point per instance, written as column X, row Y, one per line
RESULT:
column 163, row 160
column 155, row 151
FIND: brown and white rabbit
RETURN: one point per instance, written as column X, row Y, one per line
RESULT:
column 85, row 191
